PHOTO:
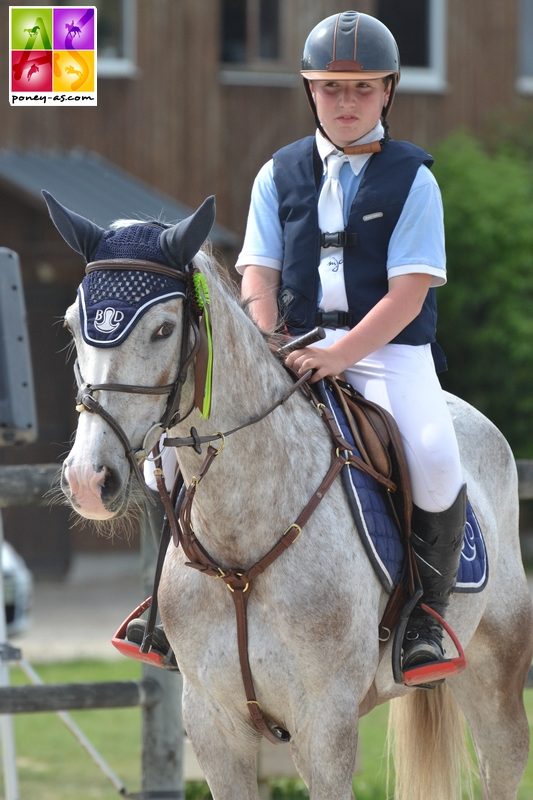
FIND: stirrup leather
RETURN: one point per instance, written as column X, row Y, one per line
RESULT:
column 436, row 670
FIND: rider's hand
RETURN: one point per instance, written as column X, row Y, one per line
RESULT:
column 323, row 361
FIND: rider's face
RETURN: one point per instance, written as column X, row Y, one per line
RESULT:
column 349, row 109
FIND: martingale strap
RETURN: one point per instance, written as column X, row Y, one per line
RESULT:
column 240, row 581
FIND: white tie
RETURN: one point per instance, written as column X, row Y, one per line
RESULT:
column 331, row 220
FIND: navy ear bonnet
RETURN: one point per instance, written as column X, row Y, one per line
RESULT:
column 112, row 301
column 140, row 241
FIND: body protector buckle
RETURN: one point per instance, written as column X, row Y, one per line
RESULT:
column 338, row 239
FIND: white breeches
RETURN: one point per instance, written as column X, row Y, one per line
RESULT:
column 402, row 379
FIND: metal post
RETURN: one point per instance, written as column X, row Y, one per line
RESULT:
column 162, row 745
column 6, row 721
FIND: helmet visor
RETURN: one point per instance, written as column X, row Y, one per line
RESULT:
column 333, row 75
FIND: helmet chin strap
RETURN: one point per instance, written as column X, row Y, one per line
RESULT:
column 359, row 149
column 353, row 149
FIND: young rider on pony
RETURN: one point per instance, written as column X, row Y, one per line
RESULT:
column 345, row 230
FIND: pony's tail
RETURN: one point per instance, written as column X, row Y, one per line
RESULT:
column 427, row 742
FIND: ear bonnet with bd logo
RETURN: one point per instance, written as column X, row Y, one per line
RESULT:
column 111, row 301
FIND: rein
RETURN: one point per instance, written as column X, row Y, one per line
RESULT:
column 195, row 440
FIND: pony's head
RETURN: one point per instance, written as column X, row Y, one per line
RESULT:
column 135, row 329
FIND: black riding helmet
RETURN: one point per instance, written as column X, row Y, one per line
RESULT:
column 350, row 46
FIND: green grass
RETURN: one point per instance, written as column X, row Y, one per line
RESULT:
column 52, row 765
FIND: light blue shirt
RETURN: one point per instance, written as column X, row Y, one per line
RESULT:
column 416, row 244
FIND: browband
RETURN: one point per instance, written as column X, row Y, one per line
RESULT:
column 137, row 264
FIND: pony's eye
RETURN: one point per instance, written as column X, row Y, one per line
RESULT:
column 164, row 331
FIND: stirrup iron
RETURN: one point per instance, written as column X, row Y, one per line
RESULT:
column 436, row 670
column 133, row 650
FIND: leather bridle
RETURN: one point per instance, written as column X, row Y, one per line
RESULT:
column 85, row 400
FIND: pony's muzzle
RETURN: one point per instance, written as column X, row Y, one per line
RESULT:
column 92, row 490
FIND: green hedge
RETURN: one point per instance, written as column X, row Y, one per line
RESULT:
column 486, row 310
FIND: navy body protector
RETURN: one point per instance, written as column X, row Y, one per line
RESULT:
column 375, row 211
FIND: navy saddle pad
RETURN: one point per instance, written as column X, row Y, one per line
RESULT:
column 378, row 529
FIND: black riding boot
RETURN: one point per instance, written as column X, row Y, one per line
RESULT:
column 437, row 540
column 160, row 644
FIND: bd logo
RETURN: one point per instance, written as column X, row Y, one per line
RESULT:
column 108, row 319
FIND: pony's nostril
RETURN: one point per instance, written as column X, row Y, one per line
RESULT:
column 110, row 483
column 65, row 484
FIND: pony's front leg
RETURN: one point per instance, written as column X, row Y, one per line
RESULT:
column 324, row 751
column 225, row 745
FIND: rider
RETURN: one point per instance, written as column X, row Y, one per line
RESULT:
column 345, row 230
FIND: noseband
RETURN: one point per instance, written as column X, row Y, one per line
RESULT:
column 85, row 400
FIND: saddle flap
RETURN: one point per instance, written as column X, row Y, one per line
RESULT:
column 376, row 431
column 367, row 427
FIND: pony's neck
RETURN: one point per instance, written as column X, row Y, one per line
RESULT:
column 272, row 453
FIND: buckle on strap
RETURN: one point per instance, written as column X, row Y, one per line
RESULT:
column 338, row 239
column 334, row 319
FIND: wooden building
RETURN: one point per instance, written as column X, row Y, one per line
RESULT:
column 195, row 95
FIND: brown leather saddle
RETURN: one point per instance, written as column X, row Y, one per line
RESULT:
column 378, row 440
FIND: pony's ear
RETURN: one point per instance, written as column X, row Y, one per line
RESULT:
column 181, row 242
column 78, row 232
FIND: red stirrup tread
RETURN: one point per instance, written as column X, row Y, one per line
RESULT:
column 437, row 670
column 132, row 650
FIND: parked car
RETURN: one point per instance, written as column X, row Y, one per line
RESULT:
column 18, row 590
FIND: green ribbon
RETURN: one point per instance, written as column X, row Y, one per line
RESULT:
column 202, row 297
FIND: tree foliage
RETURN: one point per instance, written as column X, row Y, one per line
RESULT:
column 486, row 310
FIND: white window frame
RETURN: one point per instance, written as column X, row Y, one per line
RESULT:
column 126, row 65
column 433, row 78
column 524, row 83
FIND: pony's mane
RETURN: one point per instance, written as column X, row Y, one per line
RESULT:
column 126, row 223
column 276, row 338
column 206, row 261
